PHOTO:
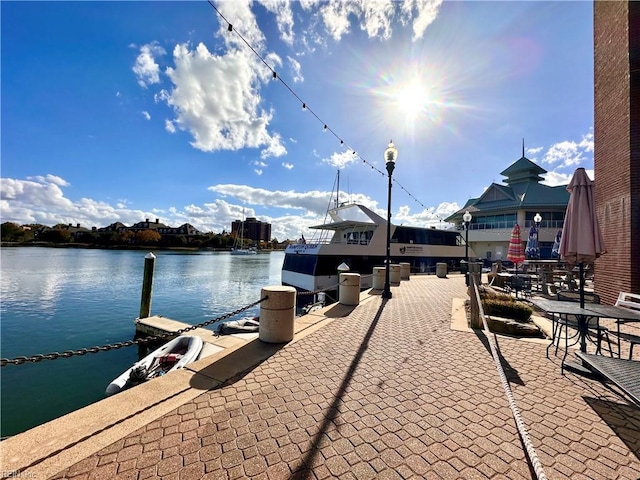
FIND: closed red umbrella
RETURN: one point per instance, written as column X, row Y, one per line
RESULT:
column 515, row 252
column 581, row 241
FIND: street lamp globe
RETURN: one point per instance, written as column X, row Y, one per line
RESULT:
column 537, row 218
column 390, row 156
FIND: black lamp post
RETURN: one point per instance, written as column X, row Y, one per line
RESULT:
column 467, row 220
column 390, row 156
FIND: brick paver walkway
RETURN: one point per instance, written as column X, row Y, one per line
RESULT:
column 389, row 391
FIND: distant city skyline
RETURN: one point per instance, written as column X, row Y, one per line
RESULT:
column 121, row 112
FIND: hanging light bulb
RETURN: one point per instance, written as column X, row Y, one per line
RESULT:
column 275, row 75
column 324, row 129
column 230, row 28
column 304, row 106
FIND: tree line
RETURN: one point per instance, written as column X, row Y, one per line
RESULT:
column 59, row 234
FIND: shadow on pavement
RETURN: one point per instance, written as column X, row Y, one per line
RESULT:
column 510, row 372
column 304, row 471
column 623, row 419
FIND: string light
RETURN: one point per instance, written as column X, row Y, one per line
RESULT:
column 306, row 108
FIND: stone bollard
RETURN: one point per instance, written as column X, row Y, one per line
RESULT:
column 277, row 314
column 394, row 273
column 378, row 278
column 405, row 270
column 441, row 270
column 349, row 292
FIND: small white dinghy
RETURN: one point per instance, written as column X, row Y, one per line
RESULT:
column 244, row 325
column 173, row 355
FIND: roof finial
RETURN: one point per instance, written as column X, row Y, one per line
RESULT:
column 522, row 147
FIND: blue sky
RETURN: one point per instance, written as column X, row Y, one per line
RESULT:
column 121, row 111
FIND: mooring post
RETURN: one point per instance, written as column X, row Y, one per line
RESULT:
column 147, row 285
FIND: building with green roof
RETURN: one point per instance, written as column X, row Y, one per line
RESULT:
column 500, row 207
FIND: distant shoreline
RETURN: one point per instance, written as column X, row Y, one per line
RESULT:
column 121, row 247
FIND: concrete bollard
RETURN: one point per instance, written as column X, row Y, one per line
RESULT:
column 349, row 292
column 378, row 278
column 277, row 314
column 441, row 270
column 394, row 273
column 405, row 270
column 147, row 285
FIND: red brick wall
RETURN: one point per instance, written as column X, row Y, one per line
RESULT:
column 617, row 145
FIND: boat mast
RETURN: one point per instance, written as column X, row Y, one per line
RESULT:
column 338, row 190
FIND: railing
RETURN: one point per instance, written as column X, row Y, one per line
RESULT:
column 555, row 224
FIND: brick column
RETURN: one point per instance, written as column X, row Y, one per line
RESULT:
column 617, row 145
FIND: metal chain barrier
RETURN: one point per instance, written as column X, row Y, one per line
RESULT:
column 331, row 287
column 114, row 346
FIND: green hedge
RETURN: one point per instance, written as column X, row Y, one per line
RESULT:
column 506, row 308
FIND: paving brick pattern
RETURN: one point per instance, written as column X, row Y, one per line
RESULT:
column 389, row 391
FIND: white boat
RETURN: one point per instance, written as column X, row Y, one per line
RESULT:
column 356, row 236
column 173, row 355
column 244, row 325
column 238, row 246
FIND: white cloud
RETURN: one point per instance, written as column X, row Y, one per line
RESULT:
column 427, row 12
column 146, row 115
column 288, row 166
column 169, row 126
column 216, row 98
column 42, row 200
column 146, row 69
column 297, row 70
column 258, row 171
column 340, row 159
column 569, row 153
column 284, row 18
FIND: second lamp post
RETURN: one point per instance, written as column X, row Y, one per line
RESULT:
column 390, row 157
column 467, row 220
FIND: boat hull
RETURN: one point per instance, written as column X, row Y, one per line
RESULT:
column 187, row 347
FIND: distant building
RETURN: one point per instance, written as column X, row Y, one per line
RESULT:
column 500, row 207
column 253, row 229
column 185, row 229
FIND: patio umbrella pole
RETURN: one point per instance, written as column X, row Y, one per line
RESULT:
column 581, row 284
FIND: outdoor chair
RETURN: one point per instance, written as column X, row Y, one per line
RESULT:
column 632, row 302
column 518, row 283
column 564, row 324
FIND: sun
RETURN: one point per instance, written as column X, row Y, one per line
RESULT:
column 413, row 99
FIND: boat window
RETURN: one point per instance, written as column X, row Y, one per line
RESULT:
column 300, row 263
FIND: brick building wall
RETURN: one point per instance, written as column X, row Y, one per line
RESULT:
column 617, row 145
column 253, row 229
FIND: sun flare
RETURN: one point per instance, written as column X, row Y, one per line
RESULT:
column 413, row 99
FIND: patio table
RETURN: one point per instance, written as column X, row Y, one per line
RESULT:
column 582, row 315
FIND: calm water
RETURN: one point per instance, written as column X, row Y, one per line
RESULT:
column 56, row 299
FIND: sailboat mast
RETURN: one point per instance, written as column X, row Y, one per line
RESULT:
column 338, row 191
